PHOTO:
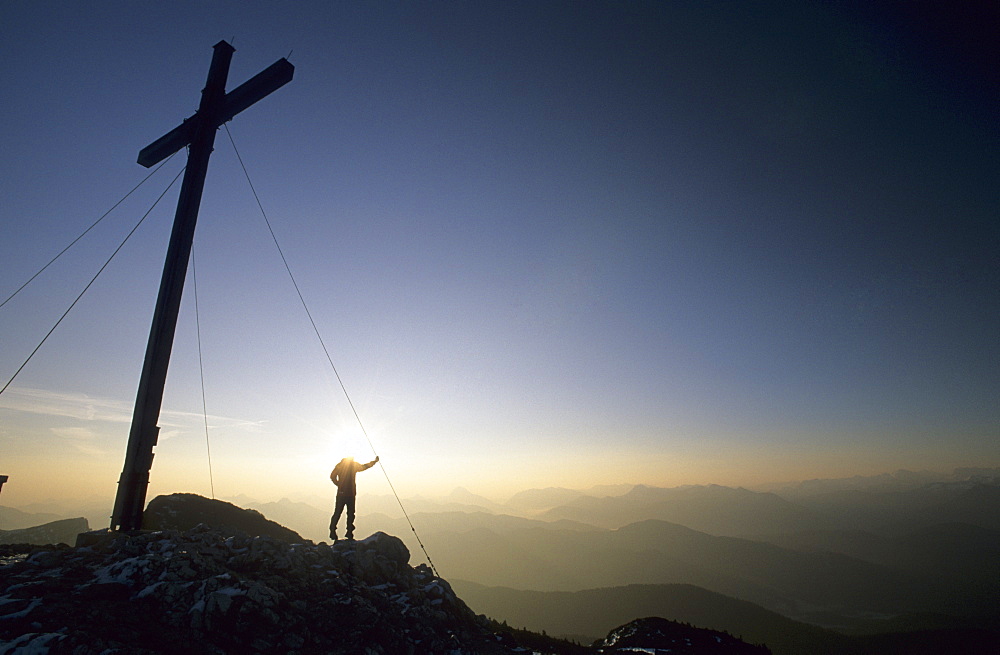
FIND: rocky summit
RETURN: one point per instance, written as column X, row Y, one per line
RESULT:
column 206, row 591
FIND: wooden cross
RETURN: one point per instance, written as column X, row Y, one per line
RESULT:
column 197, row 132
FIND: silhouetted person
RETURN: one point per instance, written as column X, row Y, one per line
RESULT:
column 343, row 476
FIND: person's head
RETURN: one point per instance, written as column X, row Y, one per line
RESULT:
column 347, row 460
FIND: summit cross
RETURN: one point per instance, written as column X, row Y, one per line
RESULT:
column 198, row 133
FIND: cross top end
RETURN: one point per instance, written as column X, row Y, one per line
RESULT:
column 222, row 107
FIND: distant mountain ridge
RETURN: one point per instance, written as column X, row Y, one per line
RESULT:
column 63, row 531
column 653, row 551
column 897, row 512
column 713, row 509
column 948, row 550
column 533, row 500
column 12, row 518
column 900, row 480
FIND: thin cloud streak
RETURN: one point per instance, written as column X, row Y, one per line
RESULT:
column 80, row 439
column 84, row 407
column 66, row 405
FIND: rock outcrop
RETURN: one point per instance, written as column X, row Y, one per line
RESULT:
column 656, row 635
column 185, row 511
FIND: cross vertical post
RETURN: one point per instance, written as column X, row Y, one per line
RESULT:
column 197, row 132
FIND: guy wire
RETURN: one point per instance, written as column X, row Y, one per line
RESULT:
column 84, row 233
column 92, row 280
column 201, row 369
column 325, row 350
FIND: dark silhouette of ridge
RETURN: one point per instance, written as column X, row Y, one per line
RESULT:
column 186, row 511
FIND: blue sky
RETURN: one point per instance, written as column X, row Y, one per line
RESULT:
column 709, row 242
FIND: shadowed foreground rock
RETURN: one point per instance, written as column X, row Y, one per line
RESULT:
column 206, row 591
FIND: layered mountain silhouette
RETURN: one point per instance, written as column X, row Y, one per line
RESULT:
column 12, row 518
column 712, row 509
column 797, row 583
column 896, row 512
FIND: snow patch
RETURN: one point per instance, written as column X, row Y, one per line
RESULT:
column 32, row 643
column 146, row 591
column 122, row 572
column 35, row 602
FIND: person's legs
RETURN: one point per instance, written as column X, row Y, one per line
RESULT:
column 350, row 516
column 341, row 502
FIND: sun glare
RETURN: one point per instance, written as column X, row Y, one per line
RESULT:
column 346, row 443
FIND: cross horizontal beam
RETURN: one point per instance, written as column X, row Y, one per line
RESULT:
column 260, row 85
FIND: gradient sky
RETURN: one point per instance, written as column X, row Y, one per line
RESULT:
column 546, row 243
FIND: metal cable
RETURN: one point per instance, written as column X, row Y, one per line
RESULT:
column 92, row 280
column 92, row 226
column 201, row 369
column 326, row 351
